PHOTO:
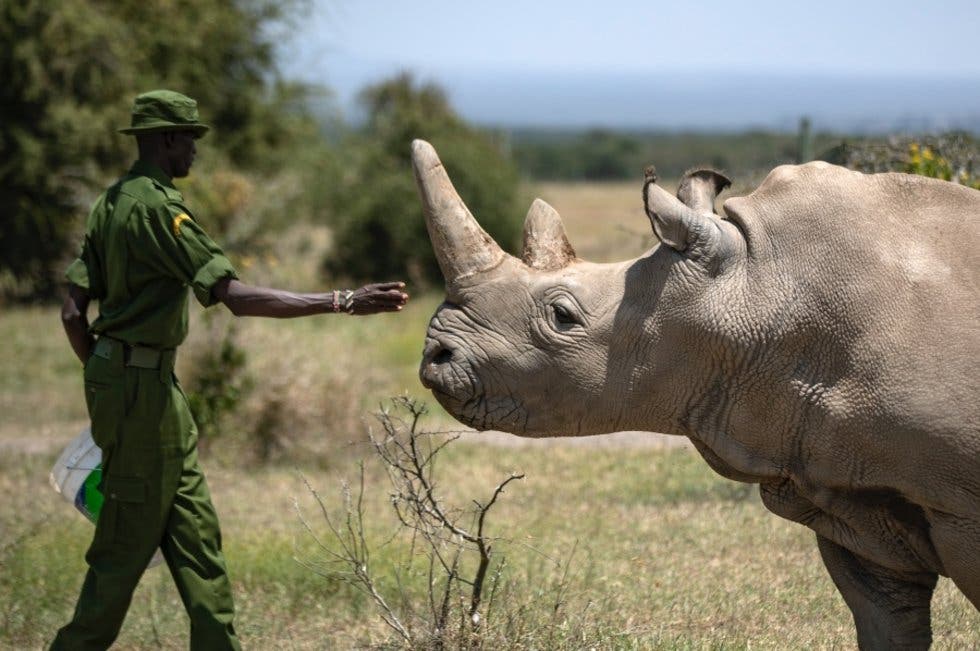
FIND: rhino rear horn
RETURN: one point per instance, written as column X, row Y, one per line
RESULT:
column 546, row 246
column 462, row 248
column 699, row 188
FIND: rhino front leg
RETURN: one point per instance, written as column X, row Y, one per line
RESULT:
column 891, row 609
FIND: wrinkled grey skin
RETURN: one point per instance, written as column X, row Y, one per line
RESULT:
column 821, row 340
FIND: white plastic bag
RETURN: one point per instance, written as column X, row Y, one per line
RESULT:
column 76, row 475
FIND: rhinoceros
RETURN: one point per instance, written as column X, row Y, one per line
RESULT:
column 820, row 339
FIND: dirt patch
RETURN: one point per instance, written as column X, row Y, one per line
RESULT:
column 47, row 439
column 614, row 440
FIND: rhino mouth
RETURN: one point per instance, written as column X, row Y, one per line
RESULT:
column 454, row 385
column 459, row 389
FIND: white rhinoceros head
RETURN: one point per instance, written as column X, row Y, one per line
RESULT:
column 550, row 345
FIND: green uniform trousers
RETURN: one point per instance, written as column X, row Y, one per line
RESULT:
column 156, row 496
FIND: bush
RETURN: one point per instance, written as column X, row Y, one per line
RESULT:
column 951, row 156
column 380, row 230
column 217, row 382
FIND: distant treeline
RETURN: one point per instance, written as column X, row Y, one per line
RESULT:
column 609, row 155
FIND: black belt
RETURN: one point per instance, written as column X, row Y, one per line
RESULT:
column 134, row 355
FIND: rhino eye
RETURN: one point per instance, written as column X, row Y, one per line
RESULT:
column 564, row 317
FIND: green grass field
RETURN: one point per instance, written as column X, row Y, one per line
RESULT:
column 656, row 551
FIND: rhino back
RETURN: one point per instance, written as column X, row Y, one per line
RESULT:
column 918, row 227
column 865, row 291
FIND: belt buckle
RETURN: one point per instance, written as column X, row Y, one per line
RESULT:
column 103, row 348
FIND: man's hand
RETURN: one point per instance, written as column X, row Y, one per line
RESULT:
column 379, row 297
column 74, row 318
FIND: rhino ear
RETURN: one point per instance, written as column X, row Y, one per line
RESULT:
column 545, row 245
column 671, row 219
column 699, row 188
column 698, row 234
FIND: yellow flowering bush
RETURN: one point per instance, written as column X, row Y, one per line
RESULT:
column 952, row 157
column 925, row 162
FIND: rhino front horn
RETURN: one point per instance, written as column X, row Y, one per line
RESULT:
column 462, row 248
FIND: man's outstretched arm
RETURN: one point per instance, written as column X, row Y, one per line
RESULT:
column 246, row 300
column 74, row 318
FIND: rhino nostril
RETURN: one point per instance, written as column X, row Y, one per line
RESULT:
column 443, row 356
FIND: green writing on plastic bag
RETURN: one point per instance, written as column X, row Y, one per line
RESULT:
column 89, row 500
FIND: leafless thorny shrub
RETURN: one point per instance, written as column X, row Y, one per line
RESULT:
column 462, row 580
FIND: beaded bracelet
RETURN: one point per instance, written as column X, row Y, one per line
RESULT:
column 348, row 301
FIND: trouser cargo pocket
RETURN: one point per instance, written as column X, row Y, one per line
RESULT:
column 123, row 519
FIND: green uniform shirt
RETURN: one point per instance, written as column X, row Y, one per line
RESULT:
column 142, row 250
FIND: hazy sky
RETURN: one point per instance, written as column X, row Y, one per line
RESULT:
column 348, row 43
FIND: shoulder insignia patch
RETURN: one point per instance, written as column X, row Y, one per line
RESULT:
column 178, row 220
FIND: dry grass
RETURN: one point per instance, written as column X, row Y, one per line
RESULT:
column 701, row 565
column 605, row 222
column 41, row 400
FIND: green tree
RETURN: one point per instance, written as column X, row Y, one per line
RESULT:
column 380, row 230
column 606, row 155
column 70, row 71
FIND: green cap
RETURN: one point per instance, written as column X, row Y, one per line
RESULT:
column 164, row 110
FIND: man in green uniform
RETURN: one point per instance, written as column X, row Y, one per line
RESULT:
column 142, row 250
